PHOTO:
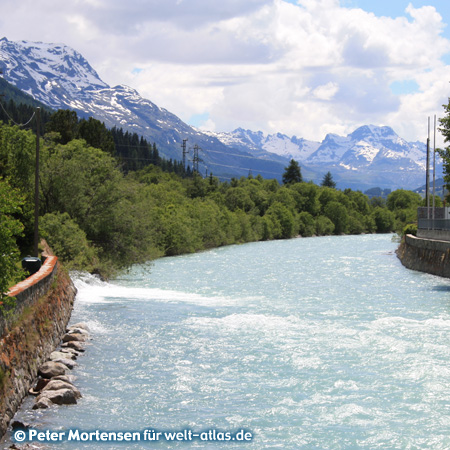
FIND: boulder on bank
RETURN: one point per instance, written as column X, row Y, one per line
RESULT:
column 40, row 384
column 56, row 385
column 42, row 403
column 19, row 425
column 68, row 337
column 78, row 346
column 71, row 351
column 52, row 369
column 81, row 325
column 58, row 397
column 67, row 362
column 78, row 331
column 67, row 378
column 54, row 356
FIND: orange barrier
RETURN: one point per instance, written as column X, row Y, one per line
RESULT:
column 43, row 272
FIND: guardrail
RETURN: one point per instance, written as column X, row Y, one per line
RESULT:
column 436, row 224
column 28, row 291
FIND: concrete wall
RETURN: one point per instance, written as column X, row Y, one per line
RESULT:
column 44, row 306
column 425, row 255
column 440, row 235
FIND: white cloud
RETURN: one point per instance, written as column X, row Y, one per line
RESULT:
column 326, row 91
column 304, row 69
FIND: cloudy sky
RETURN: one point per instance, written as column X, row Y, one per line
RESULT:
column 299, row 67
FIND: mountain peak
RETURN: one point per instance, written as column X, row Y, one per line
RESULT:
column 372, row 131
column 48, row 71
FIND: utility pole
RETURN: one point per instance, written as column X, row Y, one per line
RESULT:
column 183, row 146
column 36, row 184
column 196, row 158
column 1, row 73
column 434, row 171
column 427, row 184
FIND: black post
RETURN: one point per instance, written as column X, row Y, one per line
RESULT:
column 36, row 185
column 427, row 183
column 183, row 146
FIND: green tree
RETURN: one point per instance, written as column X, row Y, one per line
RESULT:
column 292, row 173
column 68, row 241
column 17, row 157
column 96, row 135
column 64, row 122
column 307, row 224
column 324, row 226
column 10, row 228
column 328, row 181
column 307, row 197
column 403, row 199
column 337, row 213
column 384, row 220
column 283, row 221
column 238, row 198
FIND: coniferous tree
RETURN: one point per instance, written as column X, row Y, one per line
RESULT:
column 328, row 180
column 65, row 123
column 292, row 173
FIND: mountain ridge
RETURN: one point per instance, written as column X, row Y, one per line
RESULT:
column 60, row 77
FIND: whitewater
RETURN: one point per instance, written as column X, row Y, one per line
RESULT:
column 317, row 343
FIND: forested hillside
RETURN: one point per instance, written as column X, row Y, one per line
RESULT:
column 102, row 209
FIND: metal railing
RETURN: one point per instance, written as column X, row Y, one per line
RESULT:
column 436, row 224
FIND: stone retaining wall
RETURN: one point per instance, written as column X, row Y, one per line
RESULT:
column 28, row 291
column 425, row 255
column 44, row 306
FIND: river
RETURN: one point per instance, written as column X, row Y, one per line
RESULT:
column 317, row 343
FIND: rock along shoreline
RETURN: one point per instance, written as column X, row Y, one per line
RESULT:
column 54, row 385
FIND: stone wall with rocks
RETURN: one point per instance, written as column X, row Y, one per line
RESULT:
column 425, row 255
column 45, row 303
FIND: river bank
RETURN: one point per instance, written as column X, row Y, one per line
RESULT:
column 45, row 303
column 425, row 255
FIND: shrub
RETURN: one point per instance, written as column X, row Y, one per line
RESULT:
column 68, row 241
column 411, row 228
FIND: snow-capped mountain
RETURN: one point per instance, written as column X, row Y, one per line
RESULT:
column 52, row 73
column 60, row 77
column 273, row 144
column 368, row 153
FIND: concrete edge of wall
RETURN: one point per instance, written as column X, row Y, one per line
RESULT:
column 425, row 255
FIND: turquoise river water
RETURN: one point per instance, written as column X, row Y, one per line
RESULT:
column 318, row 343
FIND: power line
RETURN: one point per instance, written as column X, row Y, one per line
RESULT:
column 9, row 117
column 242, row 168
column 13, row 121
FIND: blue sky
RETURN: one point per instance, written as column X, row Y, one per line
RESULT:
column 298, row 67
column 396, row 8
